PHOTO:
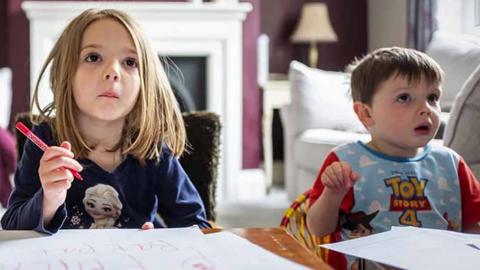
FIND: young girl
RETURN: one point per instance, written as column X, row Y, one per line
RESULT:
column 120, row 127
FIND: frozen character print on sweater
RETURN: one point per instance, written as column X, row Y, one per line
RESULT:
column 101, row 202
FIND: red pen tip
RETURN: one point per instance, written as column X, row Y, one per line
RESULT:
column 77, row 175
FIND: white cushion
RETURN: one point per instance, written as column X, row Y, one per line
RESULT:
column 311, row 146
column 5, row 96
column 462, row 132
column 458, row 59
column 321, row 99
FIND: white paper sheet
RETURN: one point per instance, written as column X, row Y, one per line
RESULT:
column 242, row 254
column 184, row 248
column 416, row 248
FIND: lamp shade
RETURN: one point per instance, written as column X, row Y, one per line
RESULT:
column 314, row 25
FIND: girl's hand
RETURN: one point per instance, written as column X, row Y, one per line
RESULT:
column 338, row 178
column 55, row 179
column 147, row 226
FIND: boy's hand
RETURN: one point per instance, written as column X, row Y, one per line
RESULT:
column 55, row 179
column 338, row 178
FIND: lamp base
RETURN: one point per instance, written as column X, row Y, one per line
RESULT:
column 313, row 54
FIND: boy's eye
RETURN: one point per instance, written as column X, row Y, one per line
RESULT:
column 131, row 62
column 93, row 57
column 433, row 98
column 403, row 98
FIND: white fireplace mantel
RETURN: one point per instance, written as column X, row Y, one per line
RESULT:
column 194, row 28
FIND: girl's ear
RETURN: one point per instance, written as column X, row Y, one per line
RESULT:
column 363, row 112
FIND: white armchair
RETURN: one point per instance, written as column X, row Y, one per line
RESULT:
column 460, row 60
column 462, row 133
column 319, row 117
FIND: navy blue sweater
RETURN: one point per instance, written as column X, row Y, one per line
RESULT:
column 125, row 198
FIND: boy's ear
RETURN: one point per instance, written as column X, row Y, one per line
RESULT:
column 363, row 112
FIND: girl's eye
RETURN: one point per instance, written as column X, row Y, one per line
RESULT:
column 404, row 98
column 93, row 57
column 433, row 98
column 131, row 62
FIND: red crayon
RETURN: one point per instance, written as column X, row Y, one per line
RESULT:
column 38, row 142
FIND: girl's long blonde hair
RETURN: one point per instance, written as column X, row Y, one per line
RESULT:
column 155, row 118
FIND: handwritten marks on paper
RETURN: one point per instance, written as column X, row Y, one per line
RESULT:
column 179, row 249
column 109, row 249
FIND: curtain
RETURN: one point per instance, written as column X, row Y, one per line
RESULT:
column 421, row 23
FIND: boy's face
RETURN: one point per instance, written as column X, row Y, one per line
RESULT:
column 404, row 117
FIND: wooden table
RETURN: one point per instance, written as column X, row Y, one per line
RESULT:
column 279, row 242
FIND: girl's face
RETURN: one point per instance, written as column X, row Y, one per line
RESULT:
column 405, row 117
column 107, row 81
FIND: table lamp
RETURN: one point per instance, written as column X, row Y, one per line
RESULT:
column 314, row 26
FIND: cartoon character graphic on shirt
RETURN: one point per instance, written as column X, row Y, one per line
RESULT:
column 408, row 196
column 358, row 223
column 103, row 205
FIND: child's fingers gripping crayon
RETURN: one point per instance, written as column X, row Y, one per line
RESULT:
column 38, row 142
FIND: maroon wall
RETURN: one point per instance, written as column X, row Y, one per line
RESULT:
column 17, row 54
column 349, row 20
column 252, row 147
column 3, row 33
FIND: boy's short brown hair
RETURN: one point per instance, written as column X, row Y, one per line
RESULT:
column 378, row 66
